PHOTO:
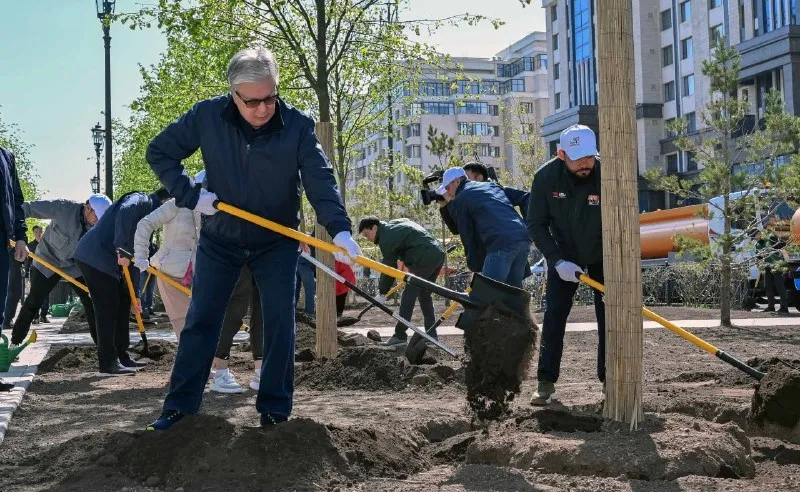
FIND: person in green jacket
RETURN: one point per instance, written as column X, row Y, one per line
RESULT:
column 409, row 242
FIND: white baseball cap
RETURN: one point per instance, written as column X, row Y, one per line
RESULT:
column 450, row 175
column 578, row 141
column 99, row 204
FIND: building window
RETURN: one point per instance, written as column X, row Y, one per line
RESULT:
column 554, row 13
column 473, row 108
column 494, row 110
column 686, row 10
column 465, row 128
column 686, row 48
column 494, row 151
column 526, row 107
column 666, row 56
column 555, row 71
column 436, row 108
column 667, row 124
column 712, row 4
column 672, row 163
column 691, row 163
column 412, row 130
column 691, row 122
column 558, row 101
column 495, row 131
column 669, row 91
column 413, row 151
column 480, row 129
column 666, row 19
column 688, row 85
column 715, row 35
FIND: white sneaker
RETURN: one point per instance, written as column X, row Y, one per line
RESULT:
column 255, row 383
column 224, row 382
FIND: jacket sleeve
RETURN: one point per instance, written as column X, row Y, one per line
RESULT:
column 149, row 224
column 20, row 229
column 128, row 217
column 518, row 198
column 320, row 184
column 43, row 209
column 538, row 221
column 448, row 219
column 389, row 259
column 177, row 142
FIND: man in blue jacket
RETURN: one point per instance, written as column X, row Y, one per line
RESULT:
column 487, row 223
column 14, row 228
column 96, row 256
column 258, row 151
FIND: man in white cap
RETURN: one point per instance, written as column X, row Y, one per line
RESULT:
column 565, row 224
column 494, row 237
column 69, row 221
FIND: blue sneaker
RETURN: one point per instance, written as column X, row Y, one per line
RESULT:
column 270, row 419
column 166, row 420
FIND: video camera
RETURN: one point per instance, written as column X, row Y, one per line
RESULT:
column 428, row 195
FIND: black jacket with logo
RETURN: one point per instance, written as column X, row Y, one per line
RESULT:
column 563, row 216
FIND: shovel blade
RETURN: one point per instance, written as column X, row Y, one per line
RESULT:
column 486, row 291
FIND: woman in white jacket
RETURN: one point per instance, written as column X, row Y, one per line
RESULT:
column 177, row 252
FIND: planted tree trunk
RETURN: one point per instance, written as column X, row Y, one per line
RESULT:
column 620, row 212
column 327, row 345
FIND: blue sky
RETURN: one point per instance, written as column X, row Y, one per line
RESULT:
column 51, row 80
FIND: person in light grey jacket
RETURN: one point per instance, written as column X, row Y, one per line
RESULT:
column 174, row 257
column 69, row 221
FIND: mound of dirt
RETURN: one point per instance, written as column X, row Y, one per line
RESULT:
column 70, row 360
column 305, row 337
column 666, row 448
column 160, row 352
column 298, row 455
column 777, row 398
column 766, row 364
column 358, row 368
column 498, row 350
column 75, row 322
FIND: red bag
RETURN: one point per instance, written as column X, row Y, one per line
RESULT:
column 187, row 277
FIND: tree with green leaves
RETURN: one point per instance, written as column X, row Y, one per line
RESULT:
column 722, row 150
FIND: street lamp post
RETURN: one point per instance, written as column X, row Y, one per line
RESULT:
column 97, row 137
column 105, row 9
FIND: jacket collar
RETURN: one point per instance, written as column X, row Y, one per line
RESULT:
column 231, row 114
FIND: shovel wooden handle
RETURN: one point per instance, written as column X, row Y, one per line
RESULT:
column 49, row 266
column 330, row 248
column 699, row 342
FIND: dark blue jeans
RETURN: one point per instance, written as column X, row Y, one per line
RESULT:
column 507, row 265
column 5, row 260
column 305, row 278
column 147, row 296
column 559, row 303
column 215, row 275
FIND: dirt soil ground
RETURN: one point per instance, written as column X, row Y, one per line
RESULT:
column 413, row 431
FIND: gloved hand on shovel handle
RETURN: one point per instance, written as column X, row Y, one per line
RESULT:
column 142, row 264
column 345, row 241
column 205, row 204
column 568, row 271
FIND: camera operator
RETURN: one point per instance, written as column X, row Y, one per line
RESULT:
column 489, row 227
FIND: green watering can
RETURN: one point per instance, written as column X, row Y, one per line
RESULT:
column 8, row 355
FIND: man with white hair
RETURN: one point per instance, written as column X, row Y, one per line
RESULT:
column 257, row 152
column 69, row 221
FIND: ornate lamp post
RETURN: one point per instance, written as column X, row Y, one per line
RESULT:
column 98, row 134
column 105, row 9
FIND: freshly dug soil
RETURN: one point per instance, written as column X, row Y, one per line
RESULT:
column 299, row 455
column 667, row 447
column 498, row 352
column 366, row 368
column 305, row 337
column 70, row 360
column 777, row 397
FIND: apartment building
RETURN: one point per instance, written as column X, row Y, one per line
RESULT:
column 480, row 104
column 671, row 40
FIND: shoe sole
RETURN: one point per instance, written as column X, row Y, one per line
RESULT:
column 111, row 375
column 402, row 344
column 222, row 389
column 541, row 402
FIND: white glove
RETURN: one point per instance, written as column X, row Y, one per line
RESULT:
column 205, row 204
column 568, row 271
column 380, row 298
column 345, row 241
column 141, row 264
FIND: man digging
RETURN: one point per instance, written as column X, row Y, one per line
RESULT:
column 564, row 221
column 409, row 242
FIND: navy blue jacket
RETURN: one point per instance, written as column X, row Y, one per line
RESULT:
column 518, row 198
column 116, row 229
column 11, row 199
column 486, row 220
column 257, row 170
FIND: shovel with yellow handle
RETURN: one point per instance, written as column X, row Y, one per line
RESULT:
column 137, row 310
